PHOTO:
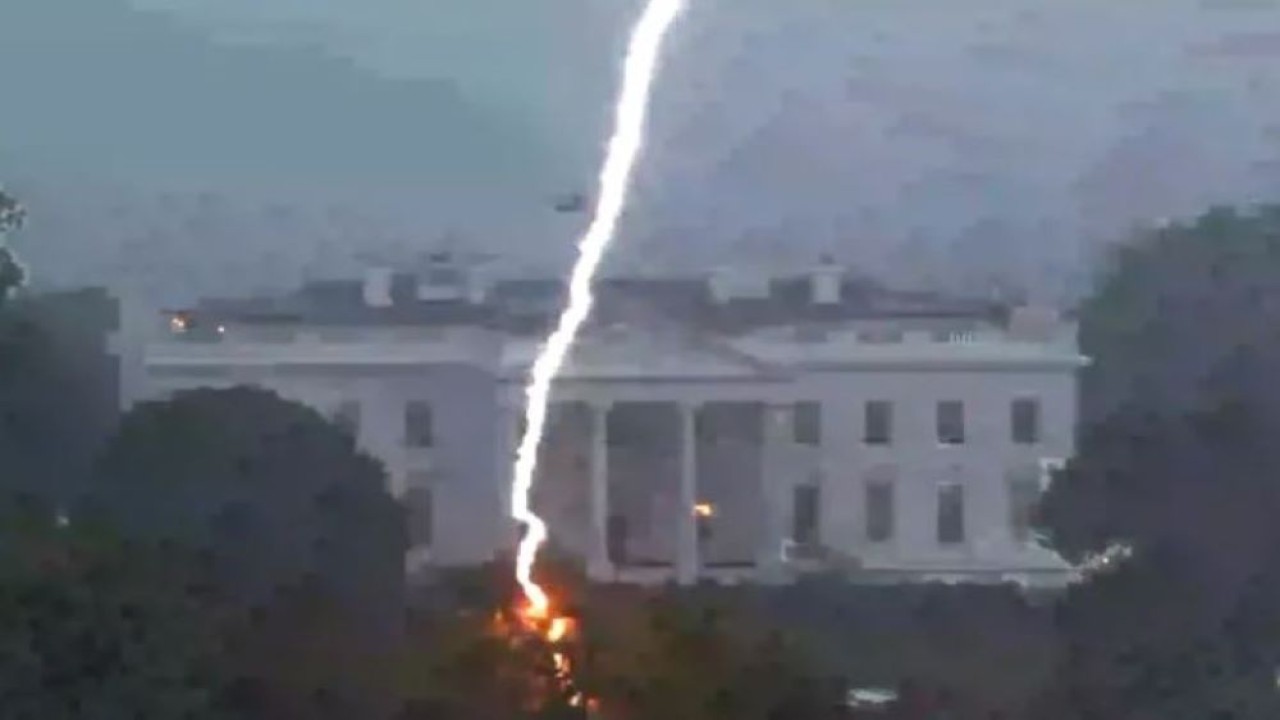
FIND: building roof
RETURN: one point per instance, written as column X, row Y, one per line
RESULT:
column 530, row 305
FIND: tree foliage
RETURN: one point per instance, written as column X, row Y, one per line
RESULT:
column 12, row 214
column 57, row 392
column 12, row 217
column 1172, row 303
column 94, row 626
column 690, row 655
column 640, row 654
column 1184, row 331
column 269, row 488
column 1176, row 459
column 296, row 526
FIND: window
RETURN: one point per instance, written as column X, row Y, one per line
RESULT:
column 419, row 502
column 706, row 430
column 810, row 334
column 704, row 528
column 950, row 422
column 418, row 427
column 1024, row 495
column 879, row 510
column 1024, row 421
column 877, row 428
column 616, row 537
column 807, row 423
column 805, row 513
column 347, row 417
column 950, row 514
column 880, row 336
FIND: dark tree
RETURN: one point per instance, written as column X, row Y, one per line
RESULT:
column 270, row 488
column 296, row 525
column 1184, row 333
column 12, row 217
column 12, row 214
column 92, row 626
column 1172, row 303
column 57, row 392
column 1176, row 459
column 641, row 654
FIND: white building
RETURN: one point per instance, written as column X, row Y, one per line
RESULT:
column 731, row 426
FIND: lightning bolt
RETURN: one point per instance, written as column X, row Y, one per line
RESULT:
column 624, row 146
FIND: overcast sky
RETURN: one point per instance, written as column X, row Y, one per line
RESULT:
column 238, row 143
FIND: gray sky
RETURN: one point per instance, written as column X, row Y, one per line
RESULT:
column 921, row 138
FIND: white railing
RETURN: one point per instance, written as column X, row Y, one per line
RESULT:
column 311, row 350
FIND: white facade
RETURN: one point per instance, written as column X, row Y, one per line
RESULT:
column 786, row 474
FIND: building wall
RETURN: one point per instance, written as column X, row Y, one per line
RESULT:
column 476, row 416
column 918, row 463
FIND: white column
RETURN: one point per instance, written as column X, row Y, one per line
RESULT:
column 508, row 530
column 599, row 566
column 687, row 561
column 774, row 490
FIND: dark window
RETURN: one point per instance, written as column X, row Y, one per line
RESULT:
column 443, row 277
column 879, row 510
column 950, row 514
column 877, row 422
column 805, row 514
column 616, row 539
column 419, row 502
column 880, row 336
column 1024, row 421
column 419, row 430
column 951, row 422
column 347, row 417
column 810, row 334
column 705, row 429
column 807, row 423
column 1024, row 496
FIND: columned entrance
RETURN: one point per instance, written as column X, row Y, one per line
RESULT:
column 658, row 491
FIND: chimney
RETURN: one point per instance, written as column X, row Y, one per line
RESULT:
column 377, row 287
column 825, row 282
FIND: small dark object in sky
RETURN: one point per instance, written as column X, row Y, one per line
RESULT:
column 571, row 203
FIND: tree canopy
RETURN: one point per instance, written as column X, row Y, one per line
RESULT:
column 57, row 392
column 1178, row 404
column 299, row 532
column 1176, row 459
column 91, row 623
column 12, row 217
column 272, row 490
column 640, row 654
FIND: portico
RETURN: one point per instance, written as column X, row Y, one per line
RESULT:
column 660, row 488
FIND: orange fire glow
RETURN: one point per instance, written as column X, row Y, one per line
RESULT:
column 555, row 630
